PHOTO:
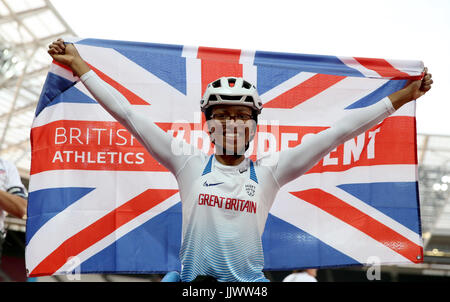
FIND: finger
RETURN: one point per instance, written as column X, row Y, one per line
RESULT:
column 425, row 88
column 57, row 48
column 425, row 70
column 61, row 44
column 53, row 52
column 53, row 44
column 416, row 84
column 426, row 79
column 428, row 82
column 51, row 49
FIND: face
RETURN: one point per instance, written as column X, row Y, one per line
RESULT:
column 231, row 127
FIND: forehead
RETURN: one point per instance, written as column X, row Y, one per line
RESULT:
column 231, row 108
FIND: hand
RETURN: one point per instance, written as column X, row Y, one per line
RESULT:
column 63, row 53
column 418, row 88
column 68, row 55
column 413, row 91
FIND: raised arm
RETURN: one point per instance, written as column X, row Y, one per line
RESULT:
column 153, row 138
column 296, row 161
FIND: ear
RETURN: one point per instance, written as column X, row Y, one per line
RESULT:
column 211, row 126
column 253, row 129
column 211, row 129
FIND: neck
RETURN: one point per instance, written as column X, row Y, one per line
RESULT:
column 230, row 160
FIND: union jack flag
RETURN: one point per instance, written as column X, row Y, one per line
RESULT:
column 98, row 196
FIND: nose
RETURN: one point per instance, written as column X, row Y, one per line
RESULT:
column 235, row 120
column 234, row 124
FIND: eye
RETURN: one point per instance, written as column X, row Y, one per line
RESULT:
column 219, row 116
column 244, row 117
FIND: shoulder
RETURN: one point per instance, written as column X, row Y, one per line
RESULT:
column 7, row 166
column 194, row 164
column 289, row 278
column 265, row 168
column 299, row 277
column 267, row 160
column 10, row 172
column 304, row 277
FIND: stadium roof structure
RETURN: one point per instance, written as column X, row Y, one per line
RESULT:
column 26, row 29
column 434, row 187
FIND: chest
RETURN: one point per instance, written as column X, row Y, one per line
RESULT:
column 228, row 192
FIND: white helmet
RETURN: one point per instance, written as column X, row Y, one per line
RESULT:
column 231, row 91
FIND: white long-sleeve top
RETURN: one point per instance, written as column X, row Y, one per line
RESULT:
column 225, row 208
column 11, row 183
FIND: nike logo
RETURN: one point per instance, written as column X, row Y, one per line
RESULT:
column 206, row 184
column 243, row 170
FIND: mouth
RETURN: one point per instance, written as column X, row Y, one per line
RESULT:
column 233, row 135
column 231, row 139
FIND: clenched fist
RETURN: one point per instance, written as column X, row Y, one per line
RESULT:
column 68, row 55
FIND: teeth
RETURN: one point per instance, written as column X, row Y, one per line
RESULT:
column 232, row 134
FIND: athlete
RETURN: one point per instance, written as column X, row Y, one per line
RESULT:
column 226, row 197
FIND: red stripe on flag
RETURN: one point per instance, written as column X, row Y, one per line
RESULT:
column 100, row 229
column 62, row 65
column 362, row 222
column 383, row 68
column 129, row 95
column 88, row 145
column 219, row 54
column 304, row 91
column 75, row 145
column 218, row 62
column 394, row 143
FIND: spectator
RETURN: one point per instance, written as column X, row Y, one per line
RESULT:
column 306, row 275
column 13, row 196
